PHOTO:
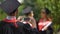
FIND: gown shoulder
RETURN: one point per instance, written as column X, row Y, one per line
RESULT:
column 29, row 30
column 20, row 28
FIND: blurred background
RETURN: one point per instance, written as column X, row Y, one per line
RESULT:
column 53, row 5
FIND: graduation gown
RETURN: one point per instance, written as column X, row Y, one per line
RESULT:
column 43, row 24
column 5, row 28
column 28, row 26
column 11, row 27
column 20, row 29
column 29, row 30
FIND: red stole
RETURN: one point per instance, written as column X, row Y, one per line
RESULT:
column 41, row 24
column 11, row 21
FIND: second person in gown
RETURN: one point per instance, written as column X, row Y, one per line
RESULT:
column 45, row 23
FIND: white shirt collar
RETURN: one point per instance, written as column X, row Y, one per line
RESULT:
column 10, row 17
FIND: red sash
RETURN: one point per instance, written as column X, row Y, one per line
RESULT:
column 11, row 21
column 41, row 24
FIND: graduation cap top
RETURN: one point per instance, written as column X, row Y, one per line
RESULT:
column 10, row 5
column 27, row 10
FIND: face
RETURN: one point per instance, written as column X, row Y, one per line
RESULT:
column 32, row 14
column 43, row 14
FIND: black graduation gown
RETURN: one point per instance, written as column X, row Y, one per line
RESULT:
column 19, row 30
column 28, row 30
column 5, row 28
column 35, row 30
column 9, row 28
column 50, row 30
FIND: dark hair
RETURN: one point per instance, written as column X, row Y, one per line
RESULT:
column 27, row 14
column 47, row 11
column 13, row 12
column 26, row 19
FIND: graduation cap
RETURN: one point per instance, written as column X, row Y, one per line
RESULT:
column 10, row 5
column 27, row 10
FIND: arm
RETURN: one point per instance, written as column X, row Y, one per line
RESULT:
column 33, row 22
column 20, row 18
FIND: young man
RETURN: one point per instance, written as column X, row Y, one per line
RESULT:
column 10, row 25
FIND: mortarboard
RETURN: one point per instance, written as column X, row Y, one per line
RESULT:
column 9, row 5
column 27, row 10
